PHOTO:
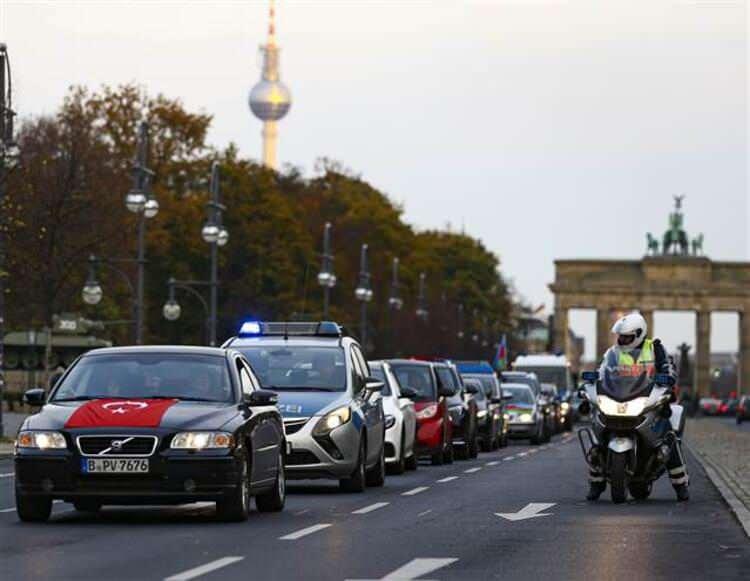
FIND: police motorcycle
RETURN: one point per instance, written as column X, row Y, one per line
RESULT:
column 634, row 426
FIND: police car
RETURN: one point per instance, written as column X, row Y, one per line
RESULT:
column 333, row 413
column 152, row 425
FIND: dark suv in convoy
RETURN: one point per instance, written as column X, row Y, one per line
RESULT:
column 334, row 423
column 462, row 410
column 434, row 427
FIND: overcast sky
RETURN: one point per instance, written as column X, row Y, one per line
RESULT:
column 547, row 129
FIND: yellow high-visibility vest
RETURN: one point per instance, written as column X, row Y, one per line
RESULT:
column 646, row 361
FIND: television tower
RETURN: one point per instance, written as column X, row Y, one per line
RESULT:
column 270, row 99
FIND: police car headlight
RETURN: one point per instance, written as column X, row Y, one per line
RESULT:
column 525, row 418
column 201, row 440
column 332, row 420
column 390, row 421
column 42, row 440
column 481, row 413
column 564, row 407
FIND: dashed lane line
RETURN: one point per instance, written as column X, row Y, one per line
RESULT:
column 522, row 454
column 448, row 479
column 370, row 508
column 203, row 569
column 493, row 463
column 509, row 458
column 304, row 532
column 472, row 470
column 414, row 491
column 417, row 568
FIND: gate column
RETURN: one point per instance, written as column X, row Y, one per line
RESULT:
column 744, row 372
column 702, row 376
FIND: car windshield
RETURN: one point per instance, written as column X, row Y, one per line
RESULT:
column 418, row 378
column 621, row 385
column 524, row 379
column 519, row 395
column 487, row 382
column 557, row 376
column 298, row 367
column 377, row 372
column 148, row 375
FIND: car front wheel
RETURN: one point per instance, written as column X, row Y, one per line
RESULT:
column 376, row 474
column 357, row 481
column 235, row 506
column 33, row 508
column 273, row 500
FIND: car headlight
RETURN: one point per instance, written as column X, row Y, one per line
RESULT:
column 201, row 440
column 390, row 421
column 481, row 413
column 565, row 406
column 506, row 417
column 42, row 440
column 427, row 412
column 332, row 420
column 525, row 418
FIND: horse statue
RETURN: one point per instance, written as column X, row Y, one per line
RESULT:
column 697, row 244
column 676, row 235
column 652, row 244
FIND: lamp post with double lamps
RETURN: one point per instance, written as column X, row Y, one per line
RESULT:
column 326, row 277
column 422, row 312
column 215, row 234
column 363, row 293
column 395, row 303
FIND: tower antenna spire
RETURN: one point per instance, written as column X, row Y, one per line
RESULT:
column 271, row 23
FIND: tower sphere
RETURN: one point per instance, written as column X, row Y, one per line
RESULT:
column 270, row 100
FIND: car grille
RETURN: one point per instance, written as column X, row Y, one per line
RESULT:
column 107, row 445
column 301, row 458
column 293, row 425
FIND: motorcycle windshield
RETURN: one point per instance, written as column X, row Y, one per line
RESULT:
column 623, row 386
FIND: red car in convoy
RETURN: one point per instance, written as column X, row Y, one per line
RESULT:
column 434, row 428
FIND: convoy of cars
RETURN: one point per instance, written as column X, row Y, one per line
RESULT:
column 289, row 400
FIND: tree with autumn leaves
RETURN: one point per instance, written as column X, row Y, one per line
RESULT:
column 65, row 201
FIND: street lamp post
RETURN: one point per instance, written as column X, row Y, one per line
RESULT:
column 422, row 312
column 326, row 277
column 92, row 292
column 395, row 303
column 140, row 201
column 363, row 293
column 8, row 154
column 460, row 328
column 215, row 234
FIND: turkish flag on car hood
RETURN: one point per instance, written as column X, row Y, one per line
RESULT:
column 120, row 413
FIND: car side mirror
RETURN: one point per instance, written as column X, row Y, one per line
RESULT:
column 35, row 397
column 262, row 397
column 373, row 384
column 446, row 392
column 471, row 389
column 408, row 392
column 498, row 399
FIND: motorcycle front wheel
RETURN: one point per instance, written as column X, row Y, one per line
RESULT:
column 640, row 490
column 618, row 477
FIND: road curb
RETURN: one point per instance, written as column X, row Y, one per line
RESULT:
column 726, row 489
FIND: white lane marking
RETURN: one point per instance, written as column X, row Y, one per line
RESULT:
column 533, row 451
column 301, row 512
column 509, row 458
column 448, row 479
column 531, row 510
column 8, row 475
column 370, row 508
column 495, row 463
column 428, row 511
column 304, row 532
column 416, row 568
column 414, row 491
column 522, row 454
column 472, row 470
column 203, row 569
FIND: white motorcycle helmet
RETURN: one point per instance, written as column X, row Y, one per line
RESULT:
column 630, row 330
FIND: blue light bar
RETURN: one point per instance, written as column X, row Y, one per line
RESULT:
column 250, row 328
column 475, row 367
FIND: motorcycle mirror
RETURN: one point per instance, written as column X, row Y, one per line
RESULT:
column 590, row 376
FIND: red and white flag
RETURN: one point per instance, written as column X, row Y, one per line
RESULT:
column 120, row 413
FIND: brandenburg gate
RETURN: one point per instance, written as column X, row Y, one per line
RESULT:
column 673, row 279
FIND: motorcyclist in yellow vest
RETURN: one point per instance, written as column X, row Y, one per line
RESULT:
column 634, row 353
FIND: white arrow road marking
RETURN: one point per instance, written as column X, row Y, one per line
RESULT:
column 472, row 470
column 304, row 532
column 448, row 479
column 414, row 491
column 203, row 569
column 418, row 567
column 370, row 508
column 531, row 510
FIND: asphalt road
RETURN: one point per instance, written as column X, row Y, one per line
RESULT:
column 436, row 523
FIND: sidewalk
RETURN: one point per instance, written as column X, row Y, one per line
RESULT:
column 724, row 448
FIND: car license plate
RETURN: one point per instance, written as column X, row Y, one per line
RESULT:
column 114, row 466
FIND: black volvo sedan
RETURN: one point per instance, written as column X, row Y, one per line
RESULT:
column 152, row 425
